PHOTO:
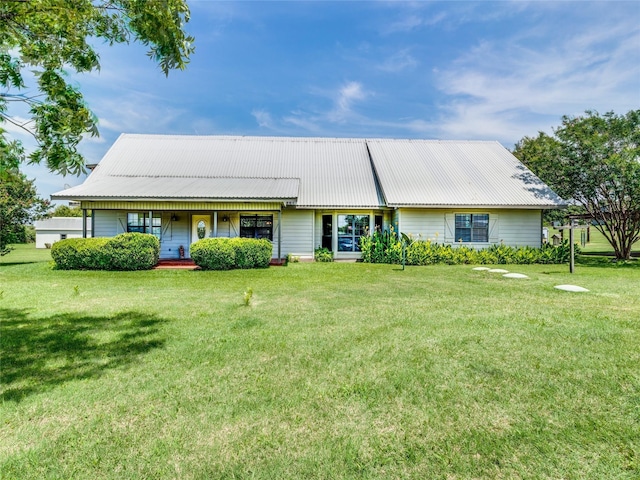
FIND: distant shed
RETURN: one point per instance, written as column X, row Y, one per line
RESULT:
column 55, row 229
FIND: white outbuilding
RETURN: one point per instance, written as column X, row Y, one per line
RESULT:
column 55, row 229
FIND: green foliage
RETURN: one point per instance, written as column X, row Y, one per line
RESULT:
column 322, row 254
column 19, row 205
column 252, row 253
column 81, row 254
column 50, row 36
column 594, row 161
column 388, row 249
column 248, row 294
column 133, row 251
column 67, row 211
column 229, row 253
column 382, row 247
column 127, row 251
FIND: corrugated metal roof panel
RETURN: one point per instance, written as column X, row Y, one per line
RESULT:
column 319, row 172
column 332, row 172
column 184, row 188
column 436, row 173
column 61, row 223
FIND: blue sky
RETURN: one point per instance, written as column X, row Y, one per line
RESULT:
column 437, row 70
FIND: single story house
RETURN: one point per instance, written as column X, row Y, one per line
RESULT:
column 305, row 193
column 51, row 230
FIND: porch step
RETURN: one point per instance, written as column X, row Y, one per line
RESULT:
column 176, row 263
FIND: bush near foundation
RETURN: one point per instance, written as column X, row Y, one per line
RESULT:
column 80, row 254
column 127, row 251
column 387, row 248
column 133, row 251
column 252, row 253
column 229, row 253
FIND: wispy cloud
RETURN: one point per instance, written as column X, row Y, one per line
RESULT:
column 263, row 118
column 347, row 95
column 398, row 62
column 502, row 86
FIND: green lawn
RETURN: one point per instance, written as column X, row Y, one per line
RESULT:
column 333, row 371
column 597, row 244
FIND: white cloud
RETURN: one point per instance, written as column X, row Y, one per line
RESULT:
column 516, row 87
column 263, row 118
column 346, row 96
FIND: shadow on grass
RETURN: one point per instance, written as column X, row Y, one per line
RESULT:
column 40, row 353
column 593, row 260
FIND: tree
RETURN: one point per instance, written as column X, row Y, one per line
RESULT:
column 66, row 211
column 52, row 35
column 594, row 160
column 19, row 206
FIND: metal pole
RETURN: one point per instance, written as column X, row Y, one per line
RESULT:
column 84, row 223
column 571, row 260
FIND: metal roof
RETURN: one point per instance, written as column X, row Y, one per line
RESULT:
column 320, row 172
column 433, row 173
column 314, row 172
column 61, row 223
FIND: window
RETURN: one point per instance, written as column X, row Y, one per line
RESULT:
column 472, row 227
column 63, row 236
column 256, row 226
column 350, row 229
column 139, row 222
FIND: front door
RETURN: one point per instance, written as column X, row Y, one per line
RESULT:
column 200, row 227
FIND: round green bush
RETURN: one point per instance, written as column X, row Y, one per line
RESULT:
column 133, row 251
column 214, row 254
column 127, row 251
column 252, row 253
column 80, row 254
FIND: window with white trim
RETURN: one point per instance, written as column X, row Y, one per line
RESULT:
column 472, row 227
column 350, row 229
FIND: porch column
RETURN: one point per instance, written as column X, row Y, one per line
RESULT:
column 84, row 223
column 215, row 223
column 279, row 234
column 93, row 223
column 150, row 222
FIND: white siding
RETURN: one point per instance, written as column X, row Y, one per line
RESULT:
column 512, row 227
column 106, row 223
column 297, row 233
column 174, row 233
column 53, row 236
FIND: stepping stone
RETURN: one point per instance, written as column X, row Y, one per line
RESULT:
column 571, row 288
column 498, row 270
column 480, row 269
column 515, row 275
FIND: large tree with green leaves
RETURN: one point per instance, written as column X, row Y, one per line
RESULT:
column 52, row 37
column 19, row 206
column 594, row 160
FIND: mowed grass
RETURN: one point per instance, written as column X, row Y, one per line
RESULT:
column 597, row 243
column 333, row 371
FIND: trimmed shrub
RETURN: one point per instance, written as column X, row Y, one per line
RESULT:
column 127, row 251
column 80, row 254
column 252, row 253
column 214, row 254
column 132, row 251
